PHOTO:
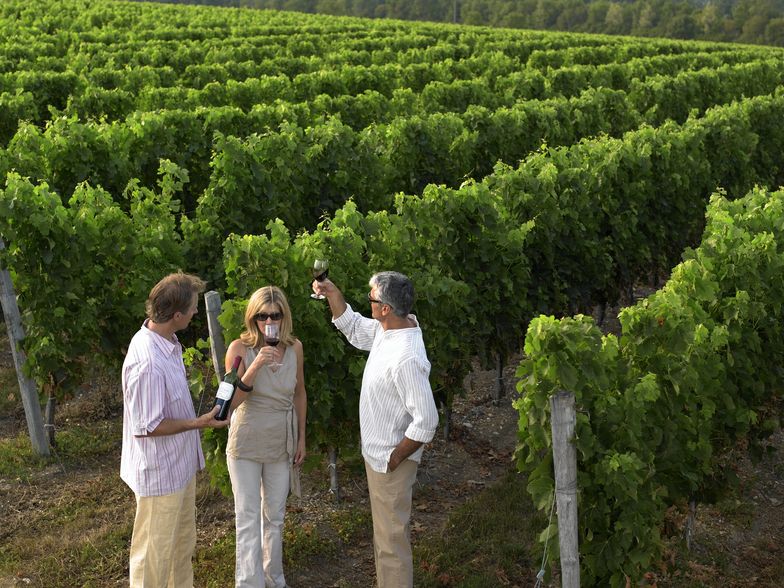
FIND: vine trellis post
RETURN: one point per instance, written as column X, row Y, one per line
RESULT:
column 27, row 388
column 212, row 302
column 562, row 421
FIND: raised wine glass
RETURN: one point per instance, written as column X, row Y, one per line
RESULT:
column 320, row 272
column 272, row 338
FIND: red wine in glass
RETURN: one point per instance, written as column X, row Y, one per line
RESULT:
column 320, row 271
column 272, row 338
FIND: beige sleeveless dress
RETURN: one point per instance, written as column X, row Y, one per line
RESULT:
column 264, row 427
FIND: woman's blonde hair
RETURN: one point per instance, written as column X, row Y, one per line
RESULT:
column 270, row 296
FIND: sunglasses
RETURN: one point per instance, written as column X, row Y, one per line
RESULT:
column 372, row 300
column 263, row 316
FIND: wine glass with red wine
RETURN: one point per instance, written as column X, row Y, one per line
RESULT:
column 272, row 338
column 320, row 271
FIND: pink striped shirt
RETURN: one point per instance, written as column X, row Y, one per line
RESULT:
column 155, row 387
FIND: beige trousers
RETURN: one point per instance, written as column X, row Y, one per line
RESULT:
column 390, row 504
column 164, row 539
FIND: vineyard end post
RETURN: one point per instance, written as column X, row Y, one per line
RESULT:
column 217, row 345
column 563, row 419
column 27, row 388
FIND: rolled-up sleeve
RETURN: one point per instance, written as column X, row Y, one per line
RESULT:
column 413, row 384
column 146, row 398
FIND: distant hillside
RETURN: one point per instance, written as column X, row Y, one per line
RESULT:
column 743, row 21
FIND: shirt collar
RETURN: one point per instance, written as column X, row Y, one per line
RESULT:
column 166, row 346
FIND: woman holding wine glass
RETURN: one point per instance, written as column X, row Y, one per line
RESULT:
column 267, row 435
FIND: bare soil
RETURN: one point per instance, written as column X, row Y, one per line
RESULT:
column 737, row 542
column 478, row 453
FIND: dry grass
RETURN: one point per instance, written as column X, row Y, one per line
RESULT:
column 66, row 522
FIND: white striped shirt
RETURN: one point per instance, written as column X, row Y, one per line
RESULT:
column 396, row 399
column 155, row 387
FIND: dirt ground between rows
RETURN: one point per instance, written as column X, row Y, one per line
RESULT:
column 478, row 453
column 738, row 542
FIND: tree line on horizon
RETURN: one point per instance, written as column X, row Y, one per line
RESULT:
column 739, row 21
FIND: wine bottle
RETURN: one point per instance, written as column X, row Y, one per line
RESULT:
column 226, row 391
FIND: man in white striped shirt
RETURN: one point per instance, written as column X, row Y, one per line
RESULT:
column 397, row 413
column 161, row 450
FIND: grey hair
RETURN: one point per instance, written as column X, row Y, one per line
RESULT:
column 396, row 290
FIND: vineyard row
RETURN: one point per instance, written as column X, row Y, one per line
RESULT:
column 695, row 371
column 570, row 226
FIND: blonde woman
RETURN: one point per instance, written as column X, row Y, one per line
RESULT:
column 266, row 436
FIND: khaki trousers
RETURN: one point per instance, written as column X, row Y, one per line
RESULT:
column 390, row 504
column 164, row 539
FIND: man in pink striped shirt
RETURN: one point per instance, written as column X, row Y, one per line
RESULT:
column 161, row 450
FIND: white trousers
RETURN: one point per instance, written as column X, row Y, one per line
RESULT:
column 260, row 493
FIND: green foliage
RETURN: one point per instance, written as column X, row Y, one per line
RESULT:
column 508, row 173
column 81, row 270
column 332, row 369
column 740, row 21
column 693, row 368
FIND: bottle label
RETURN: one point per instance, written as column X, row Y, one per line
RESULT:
column 225, row 391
